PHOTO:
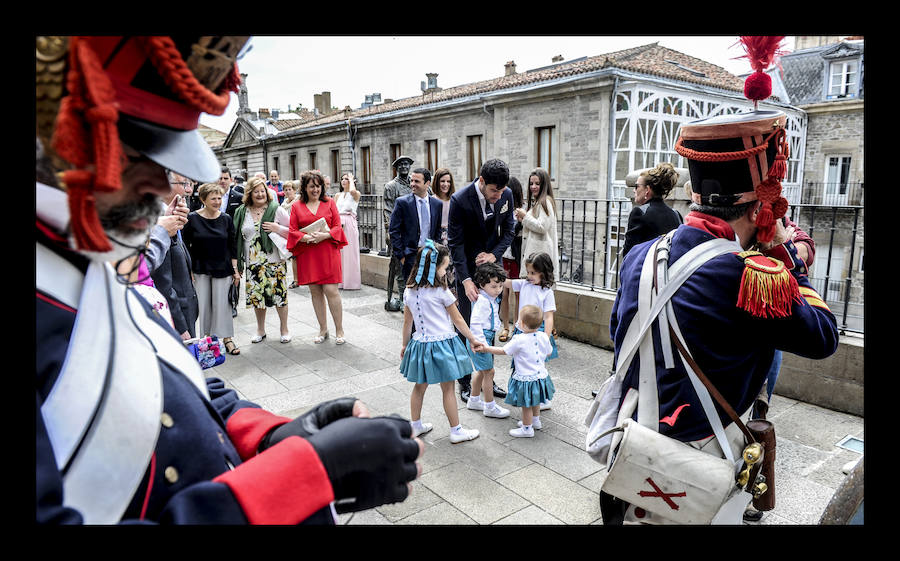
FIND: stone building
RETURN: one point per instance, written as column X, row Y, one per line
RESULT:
column 589, row 121
column 824, row 77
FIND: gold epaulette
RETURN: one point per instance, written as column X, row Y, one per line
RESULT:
column 768, row 288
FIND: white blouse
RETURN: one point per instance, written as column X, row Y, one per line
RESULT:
column 250, row 230
column 428, row 306
column 529, row 351
column 535, row 295
column 346, row 203
column 482, row 311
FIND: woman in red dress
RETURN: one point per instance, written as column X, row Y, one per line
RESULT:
column 318, row 253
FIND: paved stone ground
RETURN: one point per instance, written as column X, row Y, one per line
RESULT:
column 497, row 479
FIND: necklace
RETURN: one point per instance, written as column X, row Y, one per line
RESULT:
column 257, row 213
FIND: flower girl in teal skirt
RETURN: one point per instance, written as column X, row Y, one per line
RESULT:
column 434, row 354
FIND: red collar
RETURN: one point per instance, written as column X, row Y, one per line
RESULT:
column 710, row 224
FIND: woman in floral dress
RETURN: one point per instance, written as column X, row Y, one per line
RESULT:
column 262, row 228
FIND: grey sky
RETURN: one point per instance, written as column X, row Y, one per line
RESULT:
column 286, row 71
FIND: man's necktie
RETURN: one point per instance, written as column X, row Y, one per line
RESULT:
column 488, row 211
column 424, row 221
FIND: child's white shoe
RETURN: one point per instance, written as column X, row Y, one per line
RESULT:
column 545, row 405
column 475, row 403
column 535, row 423
column 422, row 429
column 495, row 411
column 522, row 432
column 462, row 435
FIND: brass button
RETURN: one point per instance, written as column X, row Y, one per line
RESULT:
column 221, row 437
column 171, row 474
column 166, row 420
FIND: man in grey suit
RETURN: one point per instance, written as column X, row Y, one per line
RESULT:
column 170, row 263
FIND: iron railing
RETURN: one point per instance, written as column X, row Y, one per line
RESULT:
column 833, row 194
column 591, row 235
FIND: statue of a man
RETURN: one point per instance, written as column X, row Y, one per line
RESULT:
column 396, row 187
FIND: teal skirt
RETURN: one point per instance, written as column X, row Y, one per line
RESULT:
column 528, row 394
column 433, row 362
column 483, row 361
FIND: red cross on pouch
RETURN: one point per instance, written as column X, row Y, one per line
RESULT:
column 664, row 496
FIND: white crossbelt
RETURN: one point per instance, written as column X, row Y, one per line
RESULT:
column 103, row 413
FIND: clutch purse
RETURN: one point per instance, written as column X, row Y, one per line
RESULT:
column 318, row 226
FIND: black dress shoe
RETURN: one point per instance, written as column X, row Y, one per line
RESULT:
column 499, row 392
column 394, row 305
column 593, row 393
column 465, row 388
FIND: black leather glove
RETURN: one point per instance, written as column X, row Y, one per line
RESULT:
column 311, row 422
column 369, row 461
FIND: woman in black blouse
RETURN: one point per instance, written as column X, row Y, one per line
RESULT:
column 651, row 217
column 210, row 238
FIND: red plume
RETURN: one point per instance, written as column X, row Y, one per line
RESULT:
column 762, row 51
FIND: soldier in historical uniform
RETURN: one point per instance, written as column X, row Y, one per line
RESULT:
column 127, row 428
column 736, row 309
column 394, row 189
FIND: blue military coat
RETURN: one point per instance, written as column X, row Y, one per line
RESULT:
column 732, row 346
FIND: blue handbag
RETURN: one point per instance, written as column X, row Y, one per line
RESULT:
column 209, row 351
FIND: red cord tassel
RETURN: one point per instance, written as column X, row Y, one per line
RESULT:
column 85, row 223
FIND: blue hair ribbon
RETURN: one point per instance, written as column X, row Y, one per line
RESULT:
column 429, row 246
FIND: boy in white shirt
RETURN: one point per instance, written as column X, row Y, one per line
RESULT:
column 484, row 322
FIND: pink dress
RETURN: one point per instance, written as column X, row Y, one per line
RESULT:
column 350, row 252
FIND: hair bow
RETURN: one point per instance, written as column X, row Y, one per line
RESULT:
column 429, row 246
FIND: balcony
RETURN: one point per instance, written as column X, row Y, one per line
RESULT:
column 833, row 194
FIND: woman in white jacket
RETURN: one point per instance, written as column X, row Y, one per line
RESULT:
column 539, row 220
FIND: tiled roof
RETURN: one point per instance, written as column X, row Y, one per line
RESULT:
column 651, row 59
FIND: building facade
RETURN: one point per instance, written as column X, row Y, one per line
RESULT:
column 825, row 78
column 589, row 121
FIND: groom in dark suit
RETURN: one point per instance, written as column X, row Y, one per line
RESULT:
column 416, row 217
column 481, row 226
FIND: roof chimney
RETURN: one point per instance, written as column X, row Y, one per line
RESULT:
column 510, row 68
column 264, row 113
column 558, row 58
column 431, row 85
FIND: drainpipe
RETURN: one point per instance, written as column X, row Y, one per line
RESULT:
column 262, row 141
column 352, row 150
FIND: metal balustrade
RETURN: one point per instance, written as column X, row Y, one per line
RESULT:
column 591, row 235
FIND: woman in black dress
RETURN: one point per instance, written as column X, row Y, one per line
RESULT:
column 210, row 238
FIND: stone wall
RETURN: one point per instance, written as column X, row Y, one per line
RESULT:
column 834, row 383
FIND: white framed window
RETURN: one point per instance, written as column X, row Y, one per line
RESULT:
column 843, row 77
column 837, row 175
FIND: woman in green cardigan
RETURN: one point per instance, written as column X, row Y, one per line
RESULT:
column 261, row 226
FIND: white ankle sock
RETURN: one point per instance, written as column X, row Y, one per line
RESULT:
column 488, row 403
column 417, row 424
